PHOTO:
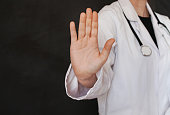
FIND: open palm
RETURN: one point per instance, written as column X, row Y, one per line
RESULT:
column 86, row 58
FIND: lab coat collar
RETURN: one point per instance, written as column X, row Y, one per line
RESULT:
column 130, row 11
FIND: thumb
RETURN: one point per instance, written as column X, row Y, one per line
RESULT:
column 106, row 50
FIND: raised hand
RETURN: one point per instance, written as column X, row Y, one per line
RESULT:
column 86, row 58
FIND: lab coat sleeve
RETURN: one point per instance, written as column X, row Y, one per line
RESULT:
column 74, row 89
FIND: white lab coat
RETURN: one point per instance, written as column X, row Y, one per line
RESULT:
column 129, row 83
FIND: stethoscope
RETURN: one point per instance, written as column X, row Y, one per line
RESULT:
column 145, row 49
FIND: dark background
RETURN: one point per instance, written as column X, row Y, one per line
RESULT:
column 34, row 55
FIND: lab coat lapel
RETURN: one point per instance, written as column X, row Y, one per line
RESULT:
column 162, row 44
column 144, row 32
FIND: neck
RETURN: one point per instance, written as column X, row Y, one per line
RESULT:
column 140, row 7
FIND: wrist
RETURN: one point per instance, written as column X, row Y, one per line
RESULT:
column 88, row 82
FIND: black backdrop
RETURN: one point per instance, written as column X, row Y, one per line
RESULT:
column 34, row 55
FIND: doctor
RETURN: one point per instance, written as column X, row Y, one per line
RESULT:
column 122, row 58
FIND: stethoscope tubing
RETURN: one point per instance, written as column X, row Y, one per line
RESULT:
column 140, row 43
column 159, row 23
column 145, row 50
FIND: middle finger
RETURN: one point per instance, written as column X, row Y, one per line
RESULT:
column 88, row 21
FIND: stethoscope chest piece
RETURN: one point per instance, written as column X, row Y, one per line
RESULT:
column 146, row 50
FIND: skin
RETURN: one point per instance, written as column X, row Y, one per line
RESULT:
column 86, row 58
column 140, row 7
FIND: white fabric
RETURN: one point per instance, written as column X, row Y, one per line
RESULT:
column 129, row 83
